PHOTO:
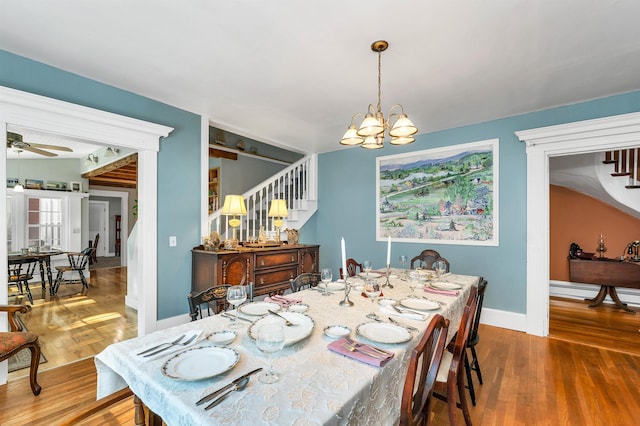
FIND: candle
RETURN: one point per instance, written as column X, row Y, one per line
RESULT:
column 389, row 251
column 344, row 259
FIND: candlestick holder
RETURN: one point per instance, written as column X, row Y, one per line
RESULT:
column 347, row 289
column 387, row 283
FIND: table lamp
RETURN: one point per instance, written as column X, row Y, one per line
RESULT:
column 233, row 206
column 278, row 210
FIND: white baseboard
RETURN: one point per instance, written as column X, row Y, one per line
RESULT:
column 504, row 319
column 570, row 290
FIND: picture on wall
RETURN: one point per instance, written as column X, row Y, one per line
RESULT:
column 445, row 195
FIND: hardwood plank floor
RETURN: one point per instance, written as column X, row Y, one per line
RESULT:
column 528, row 380
column 77, row 324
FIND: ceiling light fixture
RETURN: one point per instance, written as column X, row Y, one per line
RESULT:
column 18, row 187
column 371, row 132
column 91, row 160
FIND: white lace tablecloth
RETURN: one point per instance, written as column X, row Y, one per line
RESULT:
column 316, row 387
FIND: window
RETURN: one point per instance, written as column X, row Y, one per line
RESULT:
column 44, row 224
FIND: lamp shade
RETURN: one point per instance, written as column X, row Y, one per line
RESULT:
column 278, row 208
column 370, row 126
column 351, row 137
column 403, row 127
column 234, row 206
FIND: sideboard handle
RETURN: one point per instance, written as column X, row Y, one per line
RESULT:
column 261, row 280
column 293, row 258
column 261, row 262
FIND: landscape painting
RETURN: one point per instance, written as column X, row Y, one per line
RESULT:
column 445, row 195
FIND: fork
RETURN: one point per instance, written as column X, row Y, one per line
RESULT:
column 355, row 344
column 286, row 321
column 175, row 342
column 372, row 354
column 185, row 343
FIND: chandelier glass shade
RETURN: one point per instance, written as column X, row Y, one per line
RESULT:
column 371, row 132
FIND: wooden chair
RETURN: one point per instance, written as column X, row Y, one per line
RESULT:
column 94, row 245
column 15, row 340
column 474, row 338
column 20, row 272
column 352, row 268
column 450, row 379
column 77, row 263
column 302, row 281
column 426, row 259
column 423, row 368
column 214, row 298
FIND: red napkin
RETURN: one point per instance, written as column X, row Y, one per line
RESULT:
column 377, row 360
column 444, row 292
column 281, row 300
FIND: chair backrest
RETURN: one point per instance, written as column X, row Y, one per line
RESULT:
column 214, row 298
column 423, row 369
column 426, row 259
column 95, row 242
column 462, row 337
column 303, row 281
column 21, row 270
column 352, row 268
column 78, row 261
column 473, row 334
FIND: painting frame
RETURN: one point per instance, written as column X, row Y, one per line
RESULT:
column 446, row 195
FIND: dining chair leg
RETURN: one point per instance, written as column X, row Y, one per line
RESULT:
column 463, row 401
column 56, row 284
column 83, row 279
column 475, row 365
column 26, row 284
column 472, row 392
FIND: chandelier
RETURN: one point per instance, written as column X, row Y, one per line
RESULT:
column 371, row 132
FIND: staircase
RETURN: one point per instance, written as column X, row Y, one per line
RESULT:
column 297, row 184
column 626, row 164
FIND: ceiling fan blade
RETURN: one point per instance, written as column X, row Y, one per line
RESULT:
column 39, row 151
column 56, row 147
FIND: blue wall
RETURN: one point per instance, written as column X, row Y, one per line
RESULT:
column 347, row 196
column 178, row 163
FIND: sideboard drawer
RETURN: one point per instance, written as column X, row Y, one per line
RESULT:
column 272, row 281
column 268, row 260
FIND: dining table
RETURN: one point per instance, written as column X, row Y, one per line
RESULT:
column 42, row 257
column 316, row 386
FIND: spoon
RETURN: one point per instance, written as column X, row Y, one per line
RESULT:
column 239, row 387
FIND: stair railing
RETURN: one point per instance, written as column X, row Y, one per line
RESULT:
column 626, row 164
column 297, row 184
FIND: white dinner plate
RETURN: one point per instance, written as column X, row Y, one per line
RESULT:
column 385, row 301
column 370, row 275
column 446, row 286
column 292, row 334
column 382, row 332
column 419, row 304
column 337, row 331
column 200, row 363
column 258, row 309
column 222, row 338
column 298, row 307
column 338, row 285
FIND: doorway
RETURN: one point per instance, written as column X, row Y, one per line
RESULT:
column 98, row 214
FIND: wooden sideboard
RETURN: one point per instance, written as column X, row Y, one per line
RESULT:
column 269, row 268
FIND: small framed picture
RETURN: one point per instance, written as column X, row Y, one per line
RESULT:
column 75, row 186
column 33, row 184
column 12, row 182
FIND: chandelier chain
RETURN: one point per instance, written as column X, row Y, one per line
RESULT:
column 379, row 80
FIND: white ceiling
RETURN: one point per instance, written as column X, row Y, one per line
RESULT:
column 292, row 73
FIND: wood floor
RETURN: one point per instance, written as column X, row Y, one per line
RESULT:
column 528, row 380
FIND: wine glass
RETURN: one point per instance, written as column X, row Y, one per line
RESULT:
column 366, row 265
column 372, row 290
column 440, row 267
column 403, row 260
column 270, row 339
column 236, row 295
column 414, row 281
column 326, row 276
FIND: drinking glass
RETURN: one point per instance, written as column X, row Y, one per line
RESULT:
column 372, row 290
column 270, row 340
column 403, row 260
column 236, row 295
column 414, row 281
column 366, row 266
column 440, row 267
column 326, row 276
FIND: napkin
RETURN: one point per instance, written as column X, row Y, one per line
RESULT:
column 170, row 350
column 282, row 301
column 410, row 315
column 443, row 292
column 375, row 360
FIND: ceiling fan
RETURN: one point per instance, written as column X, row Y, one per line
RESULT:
column 14, row 140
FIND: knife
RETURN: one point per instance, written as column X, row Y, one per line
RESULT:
column 408, row 327
column 230, row 385
column 228, row 315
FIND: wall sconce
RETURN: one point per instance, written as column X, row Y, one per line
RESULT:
column 278, row 210
column 91, row 160
column 233, row 206
column 111, row 152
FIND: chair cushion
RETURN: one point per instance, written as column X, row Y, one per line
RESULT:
column 10, row 341
column 445, row 364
